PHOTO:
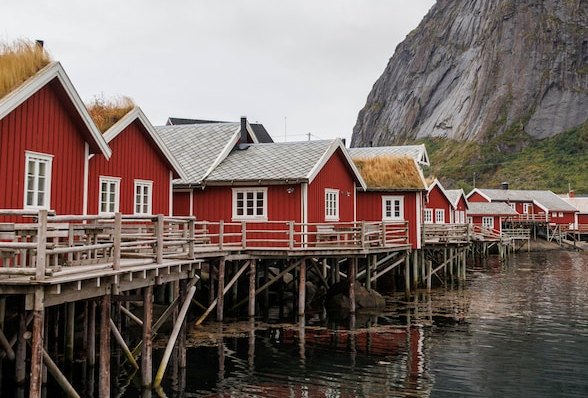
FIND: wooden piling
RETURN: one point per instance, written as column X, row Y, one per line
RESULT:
column 104, row 361
column 91, row 339
column 147, row 348
column 21, row 350
column 220, row 300
column 69, row 333
column 252, row 277
column 351, row 277
column 37, row 345
column 407, row 274
column 182, row 358
column 429, row 274
column 302, row 289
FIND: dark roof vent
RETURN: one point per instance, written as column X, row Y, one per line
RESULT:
column 243, row 144
column 505, row 186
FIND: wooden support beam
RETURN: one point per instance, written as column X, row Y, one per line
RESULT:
column 69, row 332
column 302, row 289
column 222, row 293
column 121, row 342
column 6, row 346
column 352, row 272
column 147, row 349
column 173, row 337
column 59, row 377
column 21, row 350
column 429, row 274
column 131, row 316
column 37, row 345
column 407, row 274
column 252, row 277
column 104, row 361
column 387, row 269
column 182, row 358
column 220, row 298
column 91, row 338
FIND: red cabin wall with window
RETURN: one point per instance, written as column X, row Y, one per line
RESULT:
column 134, row 157
column 369, row 208
column 335, row 174
column 477, row 220
column 583, row 218
column 438, row 200
column 43, row 123
column 476, row 197
column 566, row 218
column 461, row 206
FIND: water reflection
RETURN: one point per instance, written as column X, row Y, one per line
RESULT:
column 516, row 329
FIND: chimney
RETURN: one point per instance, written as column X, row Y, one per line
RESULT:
column 40, row 43
column 505, row 185
column 243, row 130
column 344, row 141
column 571, row 194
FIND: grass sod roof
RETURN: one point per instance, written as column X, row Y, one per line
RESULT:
column 19, row 60
column 389, row 172
column 106, row 112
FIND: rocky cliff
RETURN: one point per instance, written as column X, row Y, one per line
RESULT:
column 475, row 68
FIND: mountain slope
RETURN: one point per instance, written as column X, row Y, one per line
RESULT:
column 475, row 69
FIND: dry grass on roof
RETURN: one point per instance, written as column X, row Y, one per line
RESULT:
column 106, row 112
column 393, row 172
column 19, row 60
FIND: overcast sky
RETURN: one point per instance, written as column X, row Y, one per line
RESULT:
column 297, row 66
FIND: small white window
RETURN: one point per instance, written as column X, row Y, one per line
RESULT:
column 428, row 218
column 470, row 220
column 331, row 205
column 108, row 201
column 461, row 217
column 439, row 216
column 250, row 204
column 513, row 206
column 392, row 208
column 488, row 222
column 37, row 193
column 527, row 208
column 143, row 196
column 560, row 214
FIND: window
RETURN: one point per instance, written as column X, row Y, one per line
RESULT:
column 331, row 205
column 249, row 203
column 513, row 206
column 37, row 192
column 393, row 208
column 460, row 217
column 109, row 195
column 560, row 214
column 428, row 219
column 488, row 222
column 470, row 220
column 527, row 208
column 439, row 216
column 143, row 196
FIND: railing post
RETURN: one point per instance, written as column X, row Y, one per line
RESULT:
column 159, row 237
column 41, row 245
column 383, row 234
column 221, row 234
column 116, row 239
column 244, row 234
column 291, row 234
column 362, row 236
column 191, row 236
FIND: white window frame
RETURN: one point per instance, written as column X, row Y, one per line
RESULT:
column 38, row 158
column 428, row 216
column 439, row 216
column 254, row 216
column 143, row 184
column 109, row 180
column 526, row 208
column 560, row 214
column 393, row 216
column 470, row 220
column 489, row 225
column 331, row 204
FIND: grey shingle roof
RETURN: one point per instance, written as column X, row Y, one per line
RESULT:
column 490, row 208
column 546, row 199
column 198, row 146
column 579, row 203
column 453, row 195
column 261, row 133
column 270, row 162
column 417, row 152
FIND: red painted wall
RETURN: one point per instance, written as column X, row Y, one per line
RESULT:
column 566, row 218
column 181, row 203
column 369, row 208
column 477, row 220
column 43, row 124
column 334, row 175
column 476, row 197
column 134, row 156
column 583, row 218
column 437, row 200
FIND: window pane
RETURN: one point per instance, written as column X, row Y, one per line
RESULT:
column 41, row 199
column 30, row 199
column 42, row 169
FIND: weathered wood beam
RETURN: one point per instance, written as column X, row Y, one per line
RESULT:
column 104, row 361
column 131, row 316
column 121, row 341
column 147, row 349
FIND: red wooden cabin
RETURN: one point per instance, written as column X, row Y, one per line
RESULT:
column 460, row 205
column 46, row 139
column 396, row 197
column 137, row 179
column 438, row 208
column 489, row 215
column 531, row 205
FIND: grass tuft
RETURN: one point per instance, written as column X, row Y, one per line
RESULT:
column 393, row 172
column 106, row 112
column 19, row 60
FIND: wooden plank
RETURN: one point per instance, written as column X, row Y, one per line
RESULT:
column 104, row 361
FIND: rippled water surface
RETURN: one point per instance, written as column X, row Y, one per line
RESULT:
column 516, row 330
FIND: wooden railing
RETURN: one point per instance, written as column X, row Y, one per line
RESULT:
column 532, row 217
column 517, row 233
column 41, row 244
column 481, row 233
column 446, row 233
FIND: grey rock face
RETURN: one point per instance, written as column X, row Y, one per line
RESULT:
column 472, row 68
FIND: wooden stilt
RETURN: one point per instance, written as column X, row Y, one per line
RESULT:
column 147, row 349
column 69, row 333
column 37, row 345
column 59, row 377
column 370, row 261
column 182, row 359
column 415, row 269
column 104, row 362
column 220, row 291
column 302, row 289
column 91, row 347
column 429, row 274
column 252, row 277
column 407, row 274
column 351, row 276
column 21, row 350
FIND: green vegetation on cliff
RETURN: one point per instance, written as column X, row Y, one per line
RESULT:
column 526, row 163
